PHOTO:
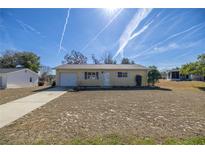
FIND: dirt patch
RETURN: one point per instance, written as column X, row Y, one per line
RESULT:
column 8, row 95
column 156, row 114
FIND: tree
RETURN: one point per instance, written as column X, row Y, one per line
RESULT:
column 12, row 59
column 127, row 61
column 153, row 75
column 190, row 68
column 8, row 59
column 107, row 59
column 28, row 60
column 75, row 57
column 201, row 58
column 201, row 64
column 45, row 70
column 197, row 68
column 45, row 73
column 95, row 60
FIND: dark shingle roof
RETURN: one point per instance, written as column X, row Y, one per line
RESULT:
column 102, row 66
column 8, row 70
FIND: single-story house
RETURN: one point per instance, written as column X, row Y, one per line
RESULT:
column 17, row 78
column 175, row 75
column 101, row 75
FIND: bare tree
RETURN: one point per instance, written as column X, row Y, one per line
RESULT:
column 46, row 74
column 107, row 59
column 127, row 61
column 95, row 60
column 75, row 57
column 45, row 70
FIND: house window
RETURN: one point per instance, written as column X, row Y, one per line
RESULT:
column 122, row 74
column 30, row 79
column 91, row 75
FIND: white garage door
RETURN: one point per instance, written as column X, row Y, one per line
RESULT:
column 68, row 79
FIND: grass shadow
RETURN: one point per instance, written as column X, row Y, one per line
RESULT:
column 82, row 88
column 120, row 88
column 43, row 89
column 201, row 88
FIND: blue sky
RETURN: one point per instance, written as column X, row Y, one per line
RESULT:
column 163, row 37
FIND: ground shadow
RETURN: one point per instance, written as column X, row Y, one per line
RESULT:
column 119, row 88
column 75, row 89
column 43, row 89
column 54, row 88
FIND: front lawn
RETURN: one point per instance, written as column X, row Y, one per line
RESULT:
column 114, row 117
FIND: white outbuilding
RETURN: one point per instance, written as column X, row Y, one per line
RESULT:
column 17, row 78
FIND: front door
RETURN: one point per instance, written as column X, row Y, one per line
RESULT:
column 138, row 80
column 106, row 79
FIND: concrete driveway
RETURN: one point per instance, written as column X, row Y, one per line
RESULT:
column 13, row 110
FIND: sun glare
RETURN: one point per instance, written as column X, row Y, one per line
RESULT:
column 111, row 11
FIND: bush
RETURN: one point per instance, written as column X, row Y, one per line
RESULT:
column 153, row 75
column 41, row 83
column 53, row 84
column 76, row 88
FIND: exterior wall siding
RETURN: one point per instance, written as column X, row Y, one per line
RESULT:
column 21, row 79
column 114, row 80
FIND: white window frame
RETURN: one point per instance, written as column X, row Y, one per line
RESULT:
column 91, row 76
column 123, row 74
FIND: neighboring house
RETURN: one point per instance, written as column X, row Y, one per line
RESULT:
column 17, row 78
column 175, row 75
column 103, row 75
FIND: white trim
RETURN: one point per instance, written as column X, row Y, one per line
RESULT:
column 22, row 70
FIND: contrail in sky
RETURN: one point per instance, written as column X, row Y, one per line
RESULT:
column 140, row 31
column 168, row 38
column 27, row 27
column 64, row 29
column 127, row 34
column 102, row 30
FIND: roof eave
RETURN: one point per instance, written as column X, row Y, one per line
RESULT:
column 57, row 68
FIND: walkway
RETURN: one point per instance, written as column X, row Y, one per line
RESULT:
column 14, row 110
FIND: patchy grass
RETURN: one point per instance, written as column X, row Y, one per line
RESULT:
column 119, row 140
column 114, row 139
column 188, row 141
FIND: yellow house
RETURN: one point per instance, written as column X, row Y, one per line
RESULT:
column 101, row 75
